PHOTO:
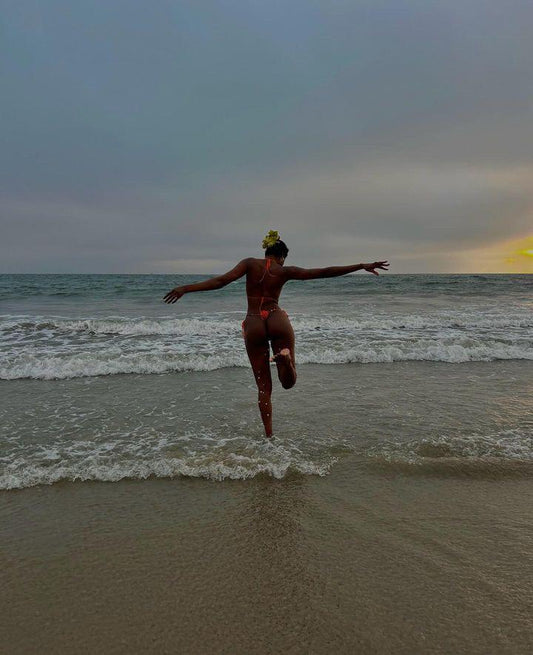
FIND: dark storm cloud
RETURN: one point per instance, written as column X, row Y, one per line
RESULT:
column 170, row 135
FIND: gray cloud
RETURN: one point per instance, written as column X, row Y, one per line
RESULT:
column 140, row 137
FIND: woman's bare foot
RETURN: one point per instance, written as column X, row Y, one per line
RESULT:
column 284, row 354
column 286, row 370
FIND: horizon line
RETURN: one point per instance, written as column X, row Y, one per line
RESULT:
column 215, row 274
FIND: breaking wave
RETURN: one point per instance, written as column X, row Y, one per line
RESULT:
column 49, row 348
column 242, row 458
column 226, row 459
column 508, row 451
column 203, row 326
column 110, row 361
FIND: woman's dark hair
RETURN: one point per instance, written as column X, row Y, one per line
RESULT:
column 279, row 249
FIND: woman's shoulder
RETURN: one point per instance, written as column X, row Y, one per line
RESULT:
column 254, row 262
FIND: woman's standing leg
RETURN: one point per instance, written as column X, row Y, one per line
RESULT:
column 258, row 350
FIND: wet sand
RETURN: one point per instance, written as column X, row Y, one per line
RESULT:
column 368, row 559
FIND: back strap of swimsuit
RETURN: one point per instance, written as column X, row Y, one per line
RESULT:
column 264, row 313
column 268, row 263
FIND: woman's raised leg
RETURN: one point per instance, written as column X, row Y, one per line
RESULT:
column 282, row 336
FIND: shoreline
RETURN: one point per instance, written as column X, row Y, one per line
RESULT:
column 352, row 562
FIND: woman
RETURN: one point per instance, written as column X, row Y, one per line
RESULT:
column 265, row 321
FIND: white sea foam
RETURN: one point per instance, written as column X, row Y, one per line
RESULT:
column 46, row 348
column 43, row 367
column 224, row 459
column 514, row 445
column 240, row 458
column 212, row 326
column 30, row 476
column 114, row 361
column 424, row 350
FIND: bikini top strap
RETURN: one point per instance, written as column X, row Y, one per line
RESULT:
column 268, row 262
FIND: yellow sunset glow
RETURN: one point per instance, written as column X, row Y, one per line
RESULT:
column 522, row 254
column 511, row 256
column 519, row 261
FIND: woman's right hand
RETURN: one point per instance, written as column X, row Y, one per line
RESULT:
column 371, row 267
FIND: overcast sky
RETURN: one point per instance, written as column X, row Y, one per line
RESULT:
column 170, row 136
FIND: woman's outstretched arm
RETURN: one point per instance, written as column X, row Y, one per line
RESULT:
column 208, row 285
column 296, row 273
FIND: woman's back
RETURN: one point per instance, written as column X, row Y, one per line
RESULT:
column 264, row 279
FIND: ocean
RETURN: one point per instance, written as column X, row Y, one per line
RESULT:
column 123, row 385
column 142, row 507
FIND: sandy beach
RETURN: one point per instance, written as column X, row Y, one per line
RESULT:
column 358, row 561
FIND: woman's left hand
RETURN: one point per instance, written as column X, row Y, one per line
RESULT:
column 371, row 267
column 174, row 295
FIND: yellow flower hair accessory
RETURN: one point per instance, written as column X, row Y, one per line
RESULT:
column 271, row 238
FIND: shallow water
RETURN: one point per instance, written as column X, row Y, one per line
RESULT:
column 101, row 380
column 410, row 415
